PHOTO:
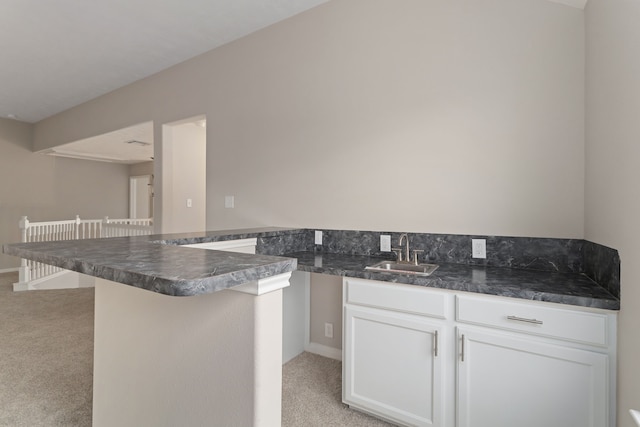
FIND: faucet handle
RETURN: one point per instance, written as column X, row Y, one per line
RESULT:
column 416, row 253
column 398, row 252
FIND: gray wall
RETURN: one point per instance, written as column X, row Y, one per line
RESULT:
column 466, row 115
column 49, row 188
column 613, row 168
column 139, row 169
column 326, row 307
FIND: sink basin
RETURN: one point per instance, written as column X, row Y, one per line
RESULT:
column 402, row 268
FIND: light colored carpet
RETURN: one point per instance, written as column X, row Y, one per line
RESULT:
column 311, row 395
column 46, row 366
column 46, row 356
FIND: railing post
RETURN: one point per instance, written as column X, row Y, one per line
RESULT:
column 103, row 229
column 23, row 271
column 24, row 225
column 77, row 231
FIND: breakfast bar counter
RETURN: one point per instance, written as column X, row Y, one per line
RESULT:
column 182, row 336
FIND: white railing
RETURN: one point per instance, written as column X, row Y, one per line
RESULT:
column 73, row 229
column 121, row 230
column 129, row 221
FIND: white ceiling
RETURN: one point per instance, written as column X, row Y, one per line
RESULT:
column 58, row 54
column 130, row 145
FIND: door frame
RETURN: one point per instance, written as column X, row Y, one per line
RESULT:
column 133, row 194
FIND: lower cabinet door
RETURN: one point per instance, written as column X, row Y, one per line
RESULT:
column 506, row 382
column 391, row 366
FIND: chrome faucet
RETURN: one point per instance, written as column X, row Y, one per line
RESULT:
column 407, row 252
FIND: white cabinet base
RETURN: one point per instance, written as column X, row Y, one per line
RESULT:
column 393, row 360
column 502, row 362
column 390, row 367
column 505, row 382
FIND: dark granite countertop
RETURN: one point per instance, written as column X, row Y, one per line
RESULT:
column 156, row 264
column 176, row 239
column 564, row 288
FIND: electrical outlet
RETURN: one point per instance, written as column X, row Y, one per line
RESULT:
column 385, row 243
column 318, row 237
column 328, row 330
column 478, row 248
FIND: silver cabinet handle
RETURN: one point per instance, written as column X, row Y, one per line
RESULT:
column 523, row 319
column 462, row 349
column 435, row 347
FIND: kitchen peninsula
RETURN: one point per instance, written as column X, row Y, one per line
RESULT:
column 163, row 360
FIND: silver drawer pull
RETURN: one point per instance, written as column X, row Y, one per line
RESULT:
column 435, row 346
column 523, row 319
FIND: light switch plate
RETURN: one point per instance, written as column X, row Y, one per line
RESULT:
column 385, row 243
column 318, row 238
column 189, row 203
column 229, row 202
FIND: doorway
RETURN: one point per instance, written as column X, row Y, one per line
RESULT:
column 184, row 165
column 141, row 196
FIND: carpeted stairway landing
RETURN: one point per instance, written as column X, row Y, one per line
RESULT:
column 46, row 366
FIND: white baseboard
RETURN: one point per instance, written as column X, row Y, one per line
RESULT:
column 17, row 287
column 323, row 350
column 9, row 270
column 64, row 279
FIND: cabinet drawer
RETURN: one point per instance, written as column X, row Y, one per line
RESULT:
column 393, row 296
column 565, row 324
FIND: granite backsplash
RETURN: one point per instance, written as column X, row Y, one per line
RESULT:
column 602, row 265
column 599, row 263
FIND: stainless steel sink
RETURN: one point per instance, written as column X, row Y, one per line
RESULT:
column 403, row 268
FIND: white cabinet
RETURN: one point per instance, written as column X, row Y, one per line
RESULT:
column 500, row 362
column 393, row 352
column 504, row 381
column 393, row 369
column 559, row 322
column 546, row 364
